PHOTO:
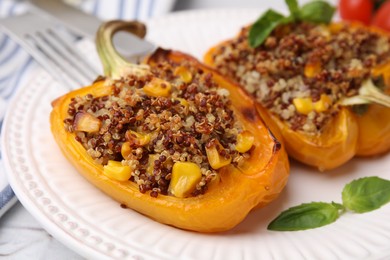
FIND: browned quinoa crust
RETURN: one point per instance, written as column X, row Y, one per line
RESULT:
column 274, row 73
column 195, row 115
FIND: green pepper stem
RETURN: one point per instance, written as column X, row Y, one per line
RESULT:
column 114, row 65
column 368, row 93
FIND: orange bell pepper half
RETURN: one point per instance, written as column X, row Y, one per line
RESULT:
column 345, row 134
column 255, row 182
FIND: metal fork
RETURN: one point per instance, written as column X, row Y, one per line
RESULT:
column 48, row 44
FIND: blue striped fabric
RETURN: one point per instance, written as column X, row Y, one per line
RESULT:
column 15, row 63
column 6, row 195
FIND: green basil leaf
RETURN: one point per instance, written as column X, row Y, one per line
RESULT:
column 317, row 12
column 306, row 216
column 366, row 194
column 293, row 7
column 263, row 27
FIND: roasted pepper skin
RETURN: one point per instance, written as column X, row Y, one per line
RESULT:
column 345, row 136
column 374, row 125
column 226, row 202
column 336, row 144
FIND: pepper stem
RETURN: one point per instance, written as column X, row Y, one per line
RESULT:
column 114, row 65
column 368, row 93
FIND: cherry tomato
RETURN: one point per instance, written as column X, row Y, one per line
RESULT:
column 356, row 10
column 382, row 17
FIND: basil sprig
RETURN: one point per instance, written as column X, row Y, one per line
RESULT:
column 264, row 26
column 315, row 12
column 361, row 195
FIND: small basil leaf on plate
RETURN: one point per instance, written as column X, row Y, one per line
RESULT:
column 306, row 216
column 263, row 27
column 316, row 12
column 293, row 7
column 366, row 194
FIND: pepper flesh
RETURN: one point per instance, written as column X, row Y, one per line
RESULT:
column 255, row 183
column 374, row 124
column 344, row 136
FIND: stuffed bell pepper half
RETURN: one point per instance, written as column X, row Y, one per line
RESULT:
column 170, row 138
column 325, row 86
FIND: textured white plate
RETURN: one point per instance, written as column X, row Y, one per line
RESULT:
column 95, row 226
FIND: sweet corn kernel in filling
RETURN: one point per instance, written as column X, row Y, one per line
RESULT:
column 115, row 170
column 302, row 70
column 185, row 177
column 156, row 129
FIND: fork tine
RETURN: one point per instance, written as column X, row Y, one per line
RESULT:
column 48, row 64
column 43, row 45
column 65, row 48
column 50, row 48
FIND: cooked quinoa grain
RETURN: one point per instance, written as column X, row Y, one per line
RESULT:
column 300, row 65
column 151, row 132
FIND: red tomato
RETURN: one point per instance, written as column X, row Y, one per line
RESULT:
column 356, row 10
column 382, row 17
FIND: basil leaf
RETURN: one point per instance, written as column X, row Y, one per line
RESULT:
column 306, row 216
column 366, row 194
column 316, row 12
column 293, row 7
column 263, row 27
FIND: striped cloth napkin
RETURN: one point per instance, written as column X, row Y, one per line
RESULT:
column 16, row 64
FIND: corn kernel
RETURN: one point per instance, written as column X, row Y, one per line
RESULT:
column 335, row 27
column 312, row 69
column 115, row 170
column 137, row 139
column 126, row 150
column 184, row 74
column 214, row 156
column 303, row 105
column 183, row 102
column 150, row 167
column 185, row 176
column 157, row 88
column 245, row 141
column 323, row 104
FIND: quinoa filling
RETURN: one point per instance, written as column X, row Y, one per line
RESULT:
column 302, row 70
column 150, row 124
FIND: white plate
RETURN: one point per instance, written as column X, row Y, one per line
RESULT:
column 92, row 224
